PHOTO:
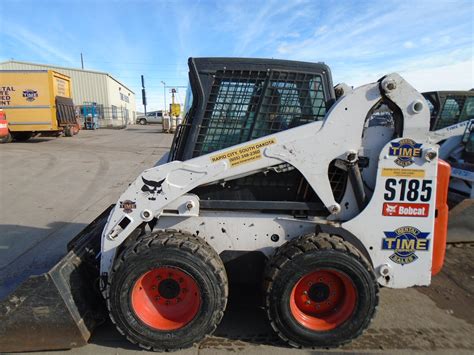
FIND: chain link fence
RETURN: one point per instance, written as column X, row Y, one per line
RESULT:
column 107, row 117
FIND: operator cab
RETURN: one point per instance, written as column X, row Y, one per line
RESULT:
column 235, row 100
column 449, row 107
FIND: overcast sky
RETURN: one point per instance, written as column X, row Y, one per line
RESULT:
column 429, row 42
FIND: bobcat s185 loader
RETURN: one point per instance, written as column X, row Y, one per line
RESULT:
column 268, row 160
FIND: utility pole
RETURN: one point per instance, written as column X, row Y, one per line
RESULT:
column 82, row 62
column 143, row 94
column 164, row 94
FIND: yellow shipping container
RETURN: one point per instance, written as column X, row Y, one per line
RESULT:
column 37, row 101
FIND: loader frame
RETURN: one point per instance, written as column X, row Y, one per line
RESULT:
column 160, row 198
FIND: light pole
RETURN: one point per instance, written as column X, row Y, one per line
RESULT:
column 164, row 95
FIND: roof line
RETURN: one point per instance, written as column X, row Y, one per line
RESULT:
column 69, row 68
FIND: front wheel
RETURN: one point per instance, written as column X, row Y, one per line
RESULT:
column 167, row 291
column 142, row 122
column 320, row 291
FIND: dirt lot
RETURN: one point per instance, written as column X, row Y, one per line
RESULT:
column 51, row 188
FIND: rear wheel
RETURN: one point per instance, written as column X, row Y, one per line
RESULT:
column 320, row 291
column 22, row 136
column 167, row 291
column 7, row 139
column 68, row 131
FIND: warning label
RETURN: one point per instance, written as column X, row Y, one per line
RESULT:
column 244, row 154
column 416, row 173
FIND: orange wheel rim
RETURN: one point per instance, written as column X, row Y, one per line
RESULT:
column 166, row 298
column 323, row 299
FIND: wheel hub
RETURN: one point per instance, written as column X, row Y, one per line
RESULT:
column 323, row 299
column 169, row 289
column 166, row 298
column 318, row 292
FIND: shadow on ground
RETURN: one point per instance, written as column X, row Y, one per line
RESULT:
column 27, row 251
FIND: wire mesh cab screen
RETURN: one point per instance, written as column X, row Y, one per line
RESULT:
column 449, row 107
column 245, row 105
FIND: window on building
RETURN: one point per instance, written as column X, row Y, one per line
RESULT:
column 114, row 112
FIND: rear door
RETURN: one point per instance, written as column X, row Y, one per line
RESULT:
column 151, row 117
column 65, row 112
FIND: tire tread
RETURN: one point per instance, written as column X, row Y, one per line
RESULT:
column 177, row 240
column 311, row 242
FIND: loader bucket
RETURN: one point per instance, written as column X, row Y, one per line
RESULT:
column 58, row 309
column 461, row 223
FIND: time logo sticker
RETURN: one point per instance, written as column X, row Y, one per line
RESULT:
column 405, row 150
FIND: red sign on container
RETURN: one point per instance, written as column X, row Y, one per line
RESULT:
column 397, row 209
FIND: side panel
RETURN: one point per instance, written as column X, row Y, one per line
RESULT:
column 25, row 98
column 397, row 226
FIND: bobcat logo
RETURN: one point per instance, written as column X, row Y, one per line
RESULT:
column 390, row 209
column 153, row 188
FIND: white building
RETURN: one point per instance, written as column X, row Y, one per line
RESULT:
column 114, row 101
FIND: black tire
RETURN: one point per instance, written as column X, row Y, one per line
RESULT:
column 309, row 254
column 68, row 131
column 22, row 136
column 186, row 253
column 7, row 139
column 142, row 121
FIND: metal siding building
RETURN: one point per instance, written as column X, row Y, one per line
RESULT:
column 89, row 86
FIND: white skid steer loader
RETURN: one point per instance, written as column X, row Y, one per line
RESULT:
column 268, row 161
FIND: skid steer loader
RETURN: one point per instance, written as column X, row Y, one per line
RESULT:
column 452, row 127
column 268, row 160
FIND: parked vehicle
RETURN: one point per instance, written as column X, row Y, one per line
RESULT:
column 452, row 127
column 449, row 107
column 150, row 118
column 37, row 102
column 266, row 162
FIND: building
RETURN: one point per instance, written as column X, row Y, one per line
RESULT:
column 114, row 102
